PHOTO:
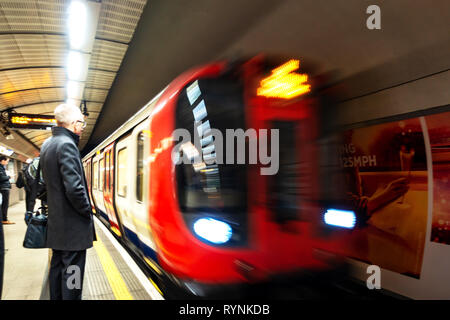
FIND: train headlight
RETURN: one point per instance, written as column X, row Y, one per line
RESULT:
column 340, row 218
column 213, row 230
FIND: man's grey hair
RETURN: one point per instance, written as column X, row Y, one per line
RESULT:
column 65, row 114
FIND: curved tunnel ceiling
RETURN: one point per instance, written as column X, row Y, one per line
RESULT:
column 34, row 48
column 139, row 48
column 173, row 36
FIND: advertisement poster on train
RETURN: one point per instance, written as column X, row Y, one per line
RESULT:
column 439, row 133
column 385, row 168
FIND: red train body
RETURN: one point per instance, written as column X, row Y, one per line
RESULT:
column 273, row 218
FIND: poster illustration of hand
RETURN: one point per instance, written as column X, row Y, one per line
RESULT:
column 385, row 169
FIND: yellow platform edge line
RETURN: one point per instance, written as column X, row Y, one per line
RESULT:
column 156, row 287
column 118, row 285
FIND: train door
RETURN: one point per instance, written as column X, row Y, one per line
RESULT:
column 108, row 190
column 88, row 174
column 139, row 148
column 98, row 169
column 282, row 202
column 123, row 190
column 288, row 192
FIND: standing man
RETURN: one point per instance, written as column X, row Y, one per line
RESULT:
column 70, row 228
column 5, row 187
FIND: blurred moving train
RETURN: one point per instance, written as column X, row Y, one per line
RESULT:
column 213, row 226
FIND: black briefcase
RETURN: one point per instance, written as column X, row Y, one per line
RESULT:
column 36, row 235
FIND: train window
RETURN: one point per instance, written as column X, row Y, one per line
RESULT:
column 140, row 167
column 107, row 170
column 85, row 171
column 219, row 190
column 122, row 173
column 89, row 173
column 110, row 172
column 101, row 174
column 95, row 184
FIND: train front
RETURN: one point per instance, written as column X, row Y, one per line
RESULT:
column 233, row 200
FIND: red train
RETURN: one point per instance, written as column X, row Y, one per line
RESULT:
column 202, row 223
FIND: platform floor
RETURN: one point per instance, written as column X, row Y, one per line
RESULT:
column 110, row 273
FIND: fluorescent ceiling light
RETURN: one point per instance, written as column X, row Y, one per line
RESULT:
column 77, row 66
column 82, row 24
column 77, row 24
column 74, row 89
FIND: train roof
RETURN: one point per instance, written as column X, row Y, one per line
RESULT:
column 134, row 120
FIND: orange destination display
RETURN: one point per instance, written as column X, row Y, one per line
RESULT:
column 284, row 83
column 30, row 121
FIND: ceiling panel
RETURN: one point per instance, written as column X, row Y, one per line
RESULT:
column 34, row 48
column 118, row 19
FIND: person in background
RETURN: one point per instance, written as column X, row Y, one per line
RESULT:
column 70, row 228
column 25, row 180
column 5, row 187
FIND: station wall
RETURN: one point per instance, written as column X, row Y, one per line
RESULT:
column 417, row 98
